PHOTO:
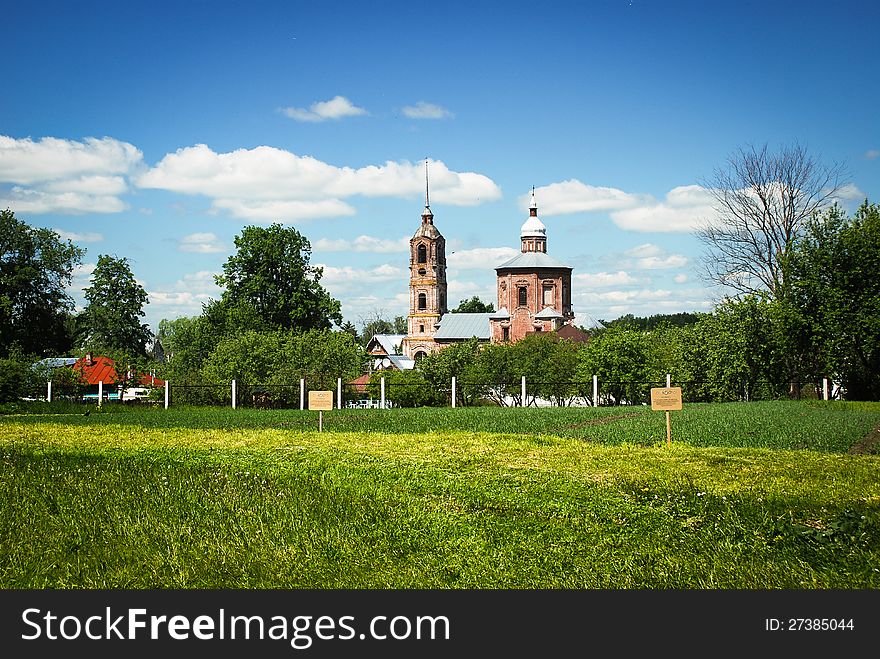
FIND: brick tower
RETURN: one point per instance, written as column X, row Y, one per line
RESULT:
column 427, row 284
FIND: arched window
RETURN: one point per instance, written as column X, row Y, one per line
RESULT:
column 523, row 296
column 422, row 254
column 418, row 356
column 423, row 301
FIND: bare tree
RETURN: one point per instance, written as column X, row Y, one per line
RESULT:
column 763, row 201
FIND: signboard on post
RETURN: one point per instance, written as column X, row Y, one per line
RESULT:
column 320, row 400
column 665, row 399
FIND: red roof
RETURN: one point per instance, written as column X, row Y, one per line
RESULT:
column 360, row 383
column 102, row 369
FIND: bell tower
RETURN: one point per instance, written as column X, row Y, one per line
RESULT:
column 427, row 284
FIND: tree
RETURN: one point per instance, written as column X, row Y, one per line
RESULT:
column 763, row 201
column 474, row 305
column 456, row 360
column 376, row 323
column 835, row 293
column 35, row 267
column 111, row 319
column 269, row 283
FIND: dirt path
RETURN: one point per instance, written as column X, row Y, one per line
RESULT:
column 866, row 445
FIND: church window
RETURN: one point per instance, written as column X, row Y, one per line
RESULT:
column 423, row 301
column 421, row 329
column 548, row 295
column 422, row 254
column 523, row 296
column 505, row 334
column 419, row 356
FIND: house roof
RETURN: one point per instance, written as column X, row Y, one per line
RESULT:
column 572, row 333
column 402, row 363
column 360, row 383
column 387, row 342
column 531, row 261
column 548, row 313
column 463, row 326
column 102, row 369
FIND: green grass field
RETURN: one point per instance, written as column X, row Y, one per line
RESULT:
column 758, row 495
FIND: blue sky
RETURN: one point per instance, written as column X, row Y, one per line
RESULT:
column 156, row 131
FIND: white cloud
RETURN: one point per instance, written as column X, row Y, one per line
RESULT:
column 480, row 257
column 573, row 196
column 849, row 193
column 284, row 211
column 29, row 200
column 644, row 250
column 362, row 244
column 686, row 208
column 649, row 256
column 604, row 279
column 201, row 243
column 88, row 237
column 872, row 154
column 425, row 110
column 681, row 278
column 186, row 295
column 54, row 175
column 26, row 162
column 336, row 108
column 345, row 276
column 270, row 184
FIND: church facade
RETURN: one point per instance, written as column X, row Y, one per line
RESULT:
column 533, row 288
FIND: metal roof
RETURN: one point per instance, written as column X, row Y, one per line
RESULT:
column 56, row 362
column 402, row 363
column 388, row 342
column 464, row 326
column 548, row 312
column 531, row 261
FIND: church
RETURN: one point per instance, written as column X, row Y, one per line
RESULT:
column 533, row 288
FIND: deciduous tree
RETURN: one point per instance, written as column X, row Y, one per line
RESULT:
column 36, row 266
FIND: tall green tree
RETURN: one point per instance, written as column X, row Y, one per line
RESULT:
column 474, row 305
column 270, row 284
column 835, row 292
column 36, row 266
column 115, row 300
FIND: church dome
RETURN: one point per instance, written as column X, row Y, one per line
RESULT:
column 533, row 228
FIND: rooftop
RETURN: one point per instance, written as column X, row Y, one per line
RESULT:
column 532, row 260
column 463, row 326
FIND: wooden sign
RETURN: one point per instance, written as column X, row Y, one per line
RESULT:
column 321, row 400
column 666, row 398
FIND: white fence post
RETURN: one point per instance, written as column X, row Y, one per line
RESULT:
column 668, row 380
column 382, row 392
column 523, row 390
column 595, row 391
column 49, row 391
column 302, row 393
column 824, row 388
column 453, row 391
column 100, row 392
column 233, row 394
column 166, row 394
column 338, row 393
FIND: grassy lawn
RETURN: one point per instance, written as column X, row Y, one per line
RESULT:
column 758, row 495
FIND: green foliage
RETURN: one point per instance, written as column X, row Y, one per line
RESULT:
column 271, row 285
column 376, row 324
column 835, row 297
column 653, row 322
column 474, row 305
column 36, row 266
column 115, row 305
column 619, row 357
column 457, row 360
column 277, row 360
column 187, row 342
column 406, row 389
